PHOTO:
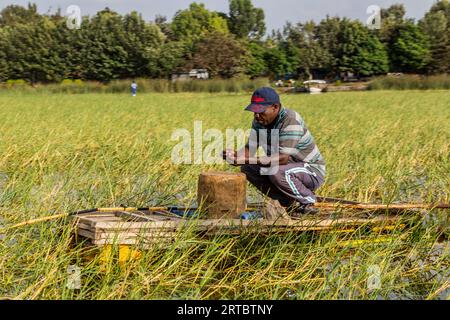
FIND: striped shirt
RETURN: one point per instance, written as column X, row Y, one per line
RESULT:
column 295, row 140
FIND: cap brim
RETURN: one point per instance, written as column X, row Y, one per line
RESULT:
column 257, row 108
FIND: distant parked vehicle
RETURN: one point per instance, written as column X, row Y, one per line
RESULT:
column 315, row 86
column 199, row 74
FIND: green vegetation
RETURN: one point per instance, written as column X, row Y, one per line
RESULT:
column 110, row 46
column 246, row 21
column 234, row 85
column 145, row 86
column 411, row 83
column 195, row 23
column 61, row 153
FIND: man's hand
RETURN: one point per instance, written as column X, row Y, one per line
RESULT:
column 236, row 159
column 230, row 156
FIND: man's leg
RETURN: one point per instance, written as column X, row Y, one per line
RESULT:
column 297, row 181
column 263, row 184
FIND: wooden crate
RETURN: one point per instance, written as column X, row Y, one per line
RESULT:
column 149, row 227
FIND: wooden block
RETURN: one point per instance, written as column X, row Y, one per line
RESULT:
column 222, row 194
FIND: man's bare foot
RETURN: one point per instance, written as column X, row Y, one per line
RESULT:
column 273, row 210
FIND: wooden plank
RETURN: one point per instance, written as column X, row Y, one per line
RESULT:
column 119, row 217
column 101, row 231
column 135, row 217
column 237, row 222
column 240, row 228
column 128, row 238
column 108, row 219
column 91, row 221
column 86, row 233
column 84, row 226
column 94, row 233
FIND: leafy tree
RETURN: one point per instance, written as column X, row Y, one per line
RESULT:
column 27, row 45
column 256, row 64
column 309, row 56
column 409, row 51
column 292, row 55
column 436, row 26
column 105, row 58
column 4, row 68
column 71, row 45
column 195, row 23
column 245, row 20
column 277, row 62
column 109, row 46
column 14, row 14
column 139, row 39
column 164, row 26
column 119, row 48
column 391, row 19
column 361, row 52
column 395, row 13
column 221, row 54
column 328, row 47
column 30, row 52
column 169, row 58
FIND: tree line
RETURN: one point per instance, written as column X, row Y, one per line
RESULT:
column 41, row 48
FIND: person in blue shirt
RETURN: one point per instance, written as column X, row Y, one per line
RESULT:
column 134, row 88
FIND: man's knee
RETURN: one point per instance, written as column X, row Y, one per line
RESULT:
column 244, row 169
column 319, row 181
column 250, row 170
column 278, row 178
column 286, row 177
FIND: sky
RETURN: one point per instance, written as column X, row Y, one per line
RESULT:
column 278, row 12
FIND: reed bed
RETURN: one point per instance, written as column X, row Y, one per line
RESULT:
column 62, row 153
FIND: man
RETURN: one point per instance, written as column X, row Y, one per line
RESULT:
column 301, row 167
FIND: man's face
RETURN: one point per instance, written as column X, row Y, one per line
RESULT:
column 268, row 116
